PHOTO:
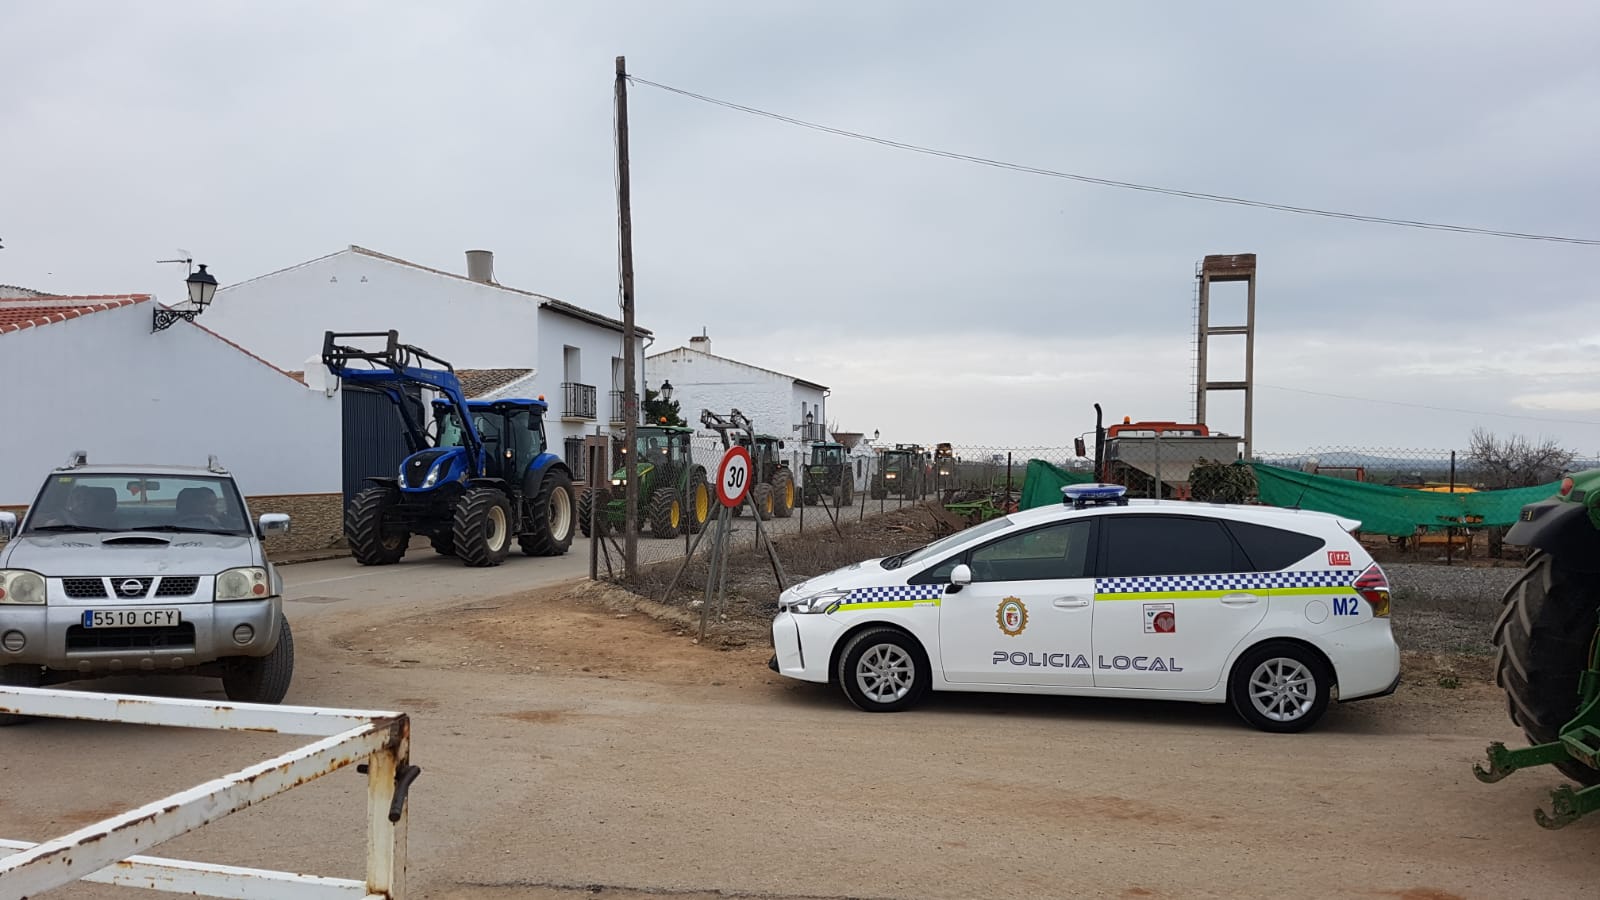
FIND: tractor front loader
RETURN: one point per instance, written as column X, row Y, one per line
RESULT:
column 1547, row 648
column 674, row 495
column 478, row 476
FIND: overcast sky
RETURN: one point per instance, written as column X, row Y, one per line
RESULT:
column 940, row 300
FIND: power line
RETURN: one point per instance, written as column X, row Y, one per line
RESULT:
column 1108, row 182
column 1474, row 412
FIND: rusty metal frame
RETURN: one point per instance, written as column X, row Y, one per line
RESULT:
column 105, row 851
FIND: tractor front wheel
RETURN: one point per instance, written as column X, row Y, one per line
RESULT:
column 665, row 513
column 598, row 502
column 699, row 500
column 374, row 540
column 1542, row 645
column 482, row 527
column 783, row 494
column 761, row 495
column 550, row 517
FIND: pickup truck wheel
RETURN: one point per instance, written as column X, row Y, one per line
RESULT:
column 262, row 679
column 19, row 676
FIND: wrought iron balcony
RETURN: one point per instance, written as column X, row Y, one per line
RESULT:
column 618, row 408
column 816, row 431
column 577, row 401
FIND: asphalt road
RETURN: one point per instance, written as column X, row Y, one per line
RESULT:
column 569, row 750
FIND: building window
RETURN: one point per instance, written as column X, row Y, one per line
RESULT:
column 574, row 456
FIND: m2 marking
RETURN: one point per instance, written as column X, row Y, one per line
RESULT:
column 1346, row 606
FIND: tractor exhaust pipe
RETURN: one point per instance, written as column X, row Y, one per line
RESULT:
column 1099, row 445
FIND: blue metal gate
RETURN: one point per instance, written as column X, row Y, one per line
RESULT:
column 374, row 441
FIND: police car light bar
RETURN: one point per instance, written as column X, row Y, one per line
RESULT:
column 1079, row 496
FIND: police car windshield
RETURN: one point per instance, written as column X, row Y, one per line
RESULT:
column 939, row 547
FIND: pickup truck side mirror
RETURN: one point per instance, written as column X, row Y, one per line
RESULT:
column 8, row 525
column 274, row 523
column 960, row 577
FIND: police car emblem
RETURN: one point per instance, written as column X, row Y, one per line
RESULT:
column 1012, row 616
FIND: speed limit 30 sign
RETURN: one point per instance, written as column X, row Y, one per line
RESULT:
column 733, row 476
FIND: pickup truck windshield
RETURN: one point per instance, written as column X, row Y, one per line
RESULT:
column 104, row 502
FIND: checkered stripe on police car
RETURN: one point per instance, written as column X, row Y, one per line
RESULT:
column 1242, row 581
column 896, row 592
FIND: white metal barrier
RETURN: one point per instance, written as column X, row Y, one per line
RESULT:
column 104, row 851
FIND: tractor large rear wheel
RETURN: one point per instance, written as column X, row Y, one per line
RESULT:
column 368, row 528
column 1541, row 647
column 482, row 527
column 551, row 515
column 665, row 513
column 761, row 496
column 783, row 494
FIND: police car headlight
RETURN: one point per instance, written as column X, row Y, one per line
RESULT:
column 825, row 602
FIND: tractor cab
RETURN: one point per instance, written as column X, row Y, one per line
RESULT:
column 511, row 432
column 763, row 452
column 664, row 452
column 828, row 475
column 827, row 454
column 945, row 459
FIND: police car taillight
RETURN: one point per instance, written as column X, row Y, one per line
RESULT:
column 1373, row 586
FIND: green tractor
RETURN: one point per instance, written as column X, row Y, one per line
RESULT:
column 773, row 491
column 900, row 473
column 669, row 481
column 828, row 475
column 1547, row 648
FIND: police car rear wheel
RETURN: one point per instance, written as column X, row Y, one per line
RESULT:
column 1280, row 687
column 883, row 670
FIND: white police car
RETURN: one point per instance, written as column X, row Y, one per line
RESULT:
column 1274, row 611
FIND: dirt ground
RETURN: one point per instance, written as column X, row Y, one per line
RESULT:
column 578, row 741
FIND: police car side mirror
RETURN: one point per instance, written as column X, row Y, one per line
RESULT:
column 960, row 577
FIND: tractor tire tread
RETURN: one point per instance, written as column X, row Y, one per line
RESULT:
column 363, row 527
column 470, row 527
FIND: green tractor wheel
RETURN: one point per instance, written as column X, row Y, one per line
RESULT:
column 761, row 495
column 699, row 511
column 783, row 496
column 598, row 501
column 665, row 513
column 1542, row 644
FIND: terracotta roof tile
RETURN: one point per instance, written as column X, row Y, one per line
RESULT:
column 17, row 314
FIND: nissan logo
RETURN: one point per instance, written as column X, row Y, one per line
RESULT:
column 133, row 587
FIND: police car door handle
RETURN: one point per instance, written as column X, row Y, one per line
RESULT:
column 1239, row 599
column 1071, row 603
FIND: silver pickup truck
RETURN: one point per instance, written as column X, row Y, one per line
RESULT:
column 120, row 570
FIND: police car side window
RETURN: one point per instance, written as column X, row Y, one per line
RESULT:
column 1271, row 549
column 1168, row 545
column 1055, row 551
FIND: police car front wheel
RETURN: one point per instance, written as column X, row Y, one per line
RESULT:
column 1280, row 686
column 883, row 670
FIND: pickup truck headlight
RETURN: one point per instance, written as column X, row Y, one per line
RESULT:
column 243, row 584
column 825, row 602
column 22, row 587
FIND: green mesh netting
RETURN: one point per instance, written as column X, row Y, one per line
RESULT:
column 1042, row 483
column 1391, row 510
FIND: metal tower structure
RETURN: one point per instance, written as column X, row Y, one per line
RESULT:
column 1214, row 269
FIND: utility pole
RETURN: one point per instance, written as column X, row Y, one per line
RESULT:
column 630, row 396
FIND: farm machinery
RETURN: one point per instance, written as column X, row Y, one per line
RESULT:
column 1547, row 644
column 478, row 476
column 901, row 473
column 673, row 493
column 828, row 475
column 773, row 491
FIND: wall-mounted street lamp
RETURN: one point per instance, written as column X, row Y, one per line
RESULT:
column 666, row 391
column 202, row 287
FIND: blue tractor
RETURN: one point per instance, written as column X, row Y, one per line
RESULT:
column 477, row 475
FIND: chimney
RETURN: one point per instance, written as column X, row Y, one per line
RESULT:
column 480, row 266
column 700, row 342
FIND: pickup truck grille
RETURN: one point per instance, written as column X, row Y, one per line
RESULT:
column 84, row 588
column 179, row 636
column 178, row 586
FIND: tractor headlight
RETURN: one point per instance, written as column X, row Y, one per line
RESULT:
column 242, row 584
column 433, row 475
column 825, row 602
column 22, row 587
column 616, row 482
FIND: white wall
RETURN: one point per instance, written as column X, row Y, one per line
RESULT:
column 105, row 384
column 700, row 381
column 282, row 317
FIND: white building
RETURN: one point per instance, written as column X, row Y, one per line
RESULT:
column 571, row 356
column 90, row 373
column 791, row 408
